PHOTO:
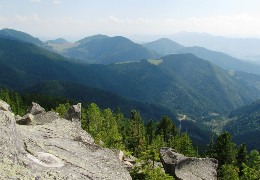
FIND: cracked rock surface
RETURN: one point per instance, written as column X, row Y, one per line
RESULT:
column 52, row 148
column 188, row 168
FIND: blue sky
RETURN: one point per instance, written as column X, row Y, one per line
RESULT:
column 80, row 18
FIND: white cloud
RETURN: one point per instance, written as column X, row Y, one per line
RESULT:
column 35, row 0
column 27, row 19
column 56, row 1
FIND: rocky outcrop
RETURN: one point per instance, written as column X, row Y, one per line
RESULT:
column 52, row 148
column 188, row 168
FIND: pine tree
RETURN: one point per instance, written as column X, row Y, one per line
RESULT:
column 241, row 157
column 210, row 151
column 5, row 95
column 136, row 138
column 165, row 128
column 224, row 149
column 110, row 134
column 150, row 131
column 95, row 120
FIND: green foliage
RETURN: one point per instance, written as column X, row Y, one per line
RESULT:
column 62, row 109
column 251, row 169
column 227, row 172
column 145, row 166
column 14, row 100
column 166, row 128
column 136, row 137
column 246, row 125
column 224, row 149
column 241, row 156
column 210, row 151
column 150, row 132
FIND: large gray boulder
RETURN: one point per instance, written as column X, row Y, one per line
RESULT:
column 52, row 149
column 35, row 109
column 74, row 113
column 188, row 168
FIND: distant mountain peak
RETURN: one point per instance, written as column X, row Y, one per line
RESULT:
column 164, row 46
column 94, row 37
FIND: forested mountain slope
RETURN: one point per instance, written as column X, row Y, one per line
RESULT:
column 245, row 126
column 102, row 98
column 182, row 82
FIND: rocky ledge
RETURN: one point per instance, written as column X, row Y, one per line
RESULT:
column 188, row 168
column 41, row 145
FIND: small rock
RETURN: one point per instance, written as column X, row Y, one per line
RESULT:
column 119, row 154
column 35, row 109
column 128, row 165
column 27, row 119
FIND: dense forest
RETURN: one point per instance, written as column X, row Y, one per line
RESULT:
column 116, row 131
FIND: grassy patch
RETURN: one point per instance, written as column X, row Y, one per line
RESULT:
column 155, row 61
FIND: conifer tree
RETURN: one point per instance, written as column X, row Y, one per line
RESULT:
column 224, row 149
column 136, row 138
column 241, row 156
column 150, row 132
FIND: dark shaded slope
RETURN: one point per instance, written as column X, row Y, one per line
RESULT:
column 246, row 125
column 182, row 82
column 102, row 98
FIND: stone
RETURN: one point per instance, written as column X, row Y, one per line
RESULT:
column 187, row 168
column 4, row 106
column 55, row 149
column 35, row 109
column 27, row 119
column 46, row 117
column 74, row 113
column 127, row 165
column 119, row 154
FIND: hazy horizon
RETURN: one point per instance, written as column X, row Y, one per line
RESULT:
column 50, row 19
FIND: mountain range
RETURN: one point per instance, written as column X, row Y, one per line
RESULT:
column 161, row 77
column 166, row 46
column 183, row 81
column 242, row 48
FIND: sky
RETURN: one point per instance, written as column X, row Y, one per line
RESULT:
column 75, row 19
